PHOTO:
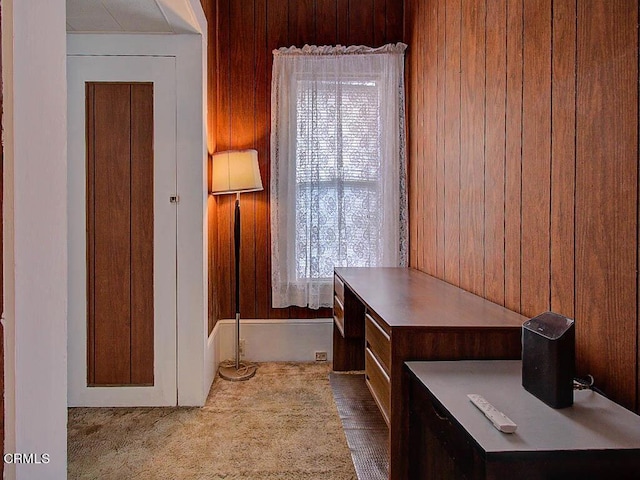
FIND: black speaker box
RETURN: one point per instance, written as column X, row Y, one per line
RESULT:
column 548, row 358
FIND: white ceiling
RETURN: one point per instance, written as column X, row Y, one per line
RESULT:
column 122, row 16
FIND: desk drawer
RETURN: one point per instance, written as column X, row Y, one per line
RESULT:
column 378, row 383
column 338, row 288
column 338, row 314
column 379, row 342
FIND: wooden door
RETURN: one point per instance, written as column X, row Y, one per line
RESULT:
column 120, row 233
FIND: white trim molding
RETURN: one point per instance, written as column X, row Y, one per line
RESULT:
column 276, row 340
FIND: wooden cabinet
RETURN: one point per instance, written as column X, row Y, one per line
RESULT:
column 348, row 332
column 451, row 439
column 377, row 365
column 393, row 315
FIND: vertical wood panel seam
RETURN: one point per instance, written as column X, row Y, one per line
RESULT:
column 93, row 236
column 93, row 239
column 131, row 280
column 459, row 141
column 255, row 145
column 444, row 171
column 575, row 153
column 522, row 33
column 439, row 159
column 288, row 22
column 337, row 22
column 373, row 23
column 638, row 219
column 484, row 164
column 504, row 173
column 385, row 35
column 348, row 22
column 551, row 70
column 229, row 228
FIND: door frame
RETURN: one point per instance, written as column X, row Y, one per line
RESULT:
column 195, row 351
column 161, row 72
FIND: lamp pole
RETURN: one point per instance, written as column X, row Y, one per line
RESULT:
column 236, row 238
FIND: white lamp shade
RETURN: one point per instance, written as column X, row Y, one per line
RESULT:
column 235, row 171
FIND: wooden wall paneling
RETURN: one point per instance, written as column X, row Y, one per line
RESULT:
column 494, row 209
column 379, row 22
column 2, row 387
column 142, row 232
column 562, row 84
column 90, row 219
column 440, row 136
column 563, row 168
column 472, row 116
column 427, row 211
column 342, row 22
column 212, row 261
column 326, row 22
column 419, row 162
column 243, row 73
column 513, row 163
column 536, row 158
column 243, row 119
column 302, row 23
column 411, row 84
column 395, row 16
column 261, row 119
column 277, row 36
column 607, row 196
column 210, row 10
column 361, row 22
column 225, row 203
column 109, row 242
column 453, row 17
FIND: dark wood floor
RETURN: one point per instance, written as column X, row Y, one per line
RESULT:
column 367, row 433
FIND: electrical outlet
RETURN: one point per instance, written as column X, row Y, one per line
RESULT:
column 321, row 356
column 243, row 344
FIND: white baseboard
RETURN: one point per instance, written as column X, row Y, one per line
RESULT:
column 276, row 340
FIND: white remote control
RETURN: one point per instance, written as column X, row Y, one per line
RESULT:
column 498, row 419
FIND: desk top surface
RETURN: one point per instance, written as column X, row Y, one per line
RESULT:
column 405, row 297
column 592, row 423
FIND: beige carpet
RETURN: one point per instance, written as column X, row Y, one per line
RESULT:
column 282, row 424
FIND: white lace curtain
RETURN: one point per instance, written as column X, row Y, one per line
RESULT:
column 338, row 167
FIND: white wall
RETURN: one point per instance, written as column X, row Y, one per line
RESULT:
column 189, row 51
column 274, row 340
column 35, row 243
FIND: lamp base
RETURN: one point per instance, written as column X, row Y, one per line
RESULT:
column 229, row 372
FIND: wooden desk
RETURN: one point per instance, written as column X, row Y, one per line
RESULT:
column 386, row 316
column 451, row 439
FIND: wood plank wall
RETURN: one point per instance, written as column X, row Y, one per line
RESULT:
column 246, row 34
column 210, row 10
column 523, row 148
column 120, row 311
column 1, row 262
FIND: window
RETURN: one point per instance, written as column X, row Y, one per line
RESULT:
column 337, row 197
column 337, row 186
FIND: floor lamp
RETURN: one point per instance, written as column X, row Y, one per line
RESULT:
column 236, row 172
